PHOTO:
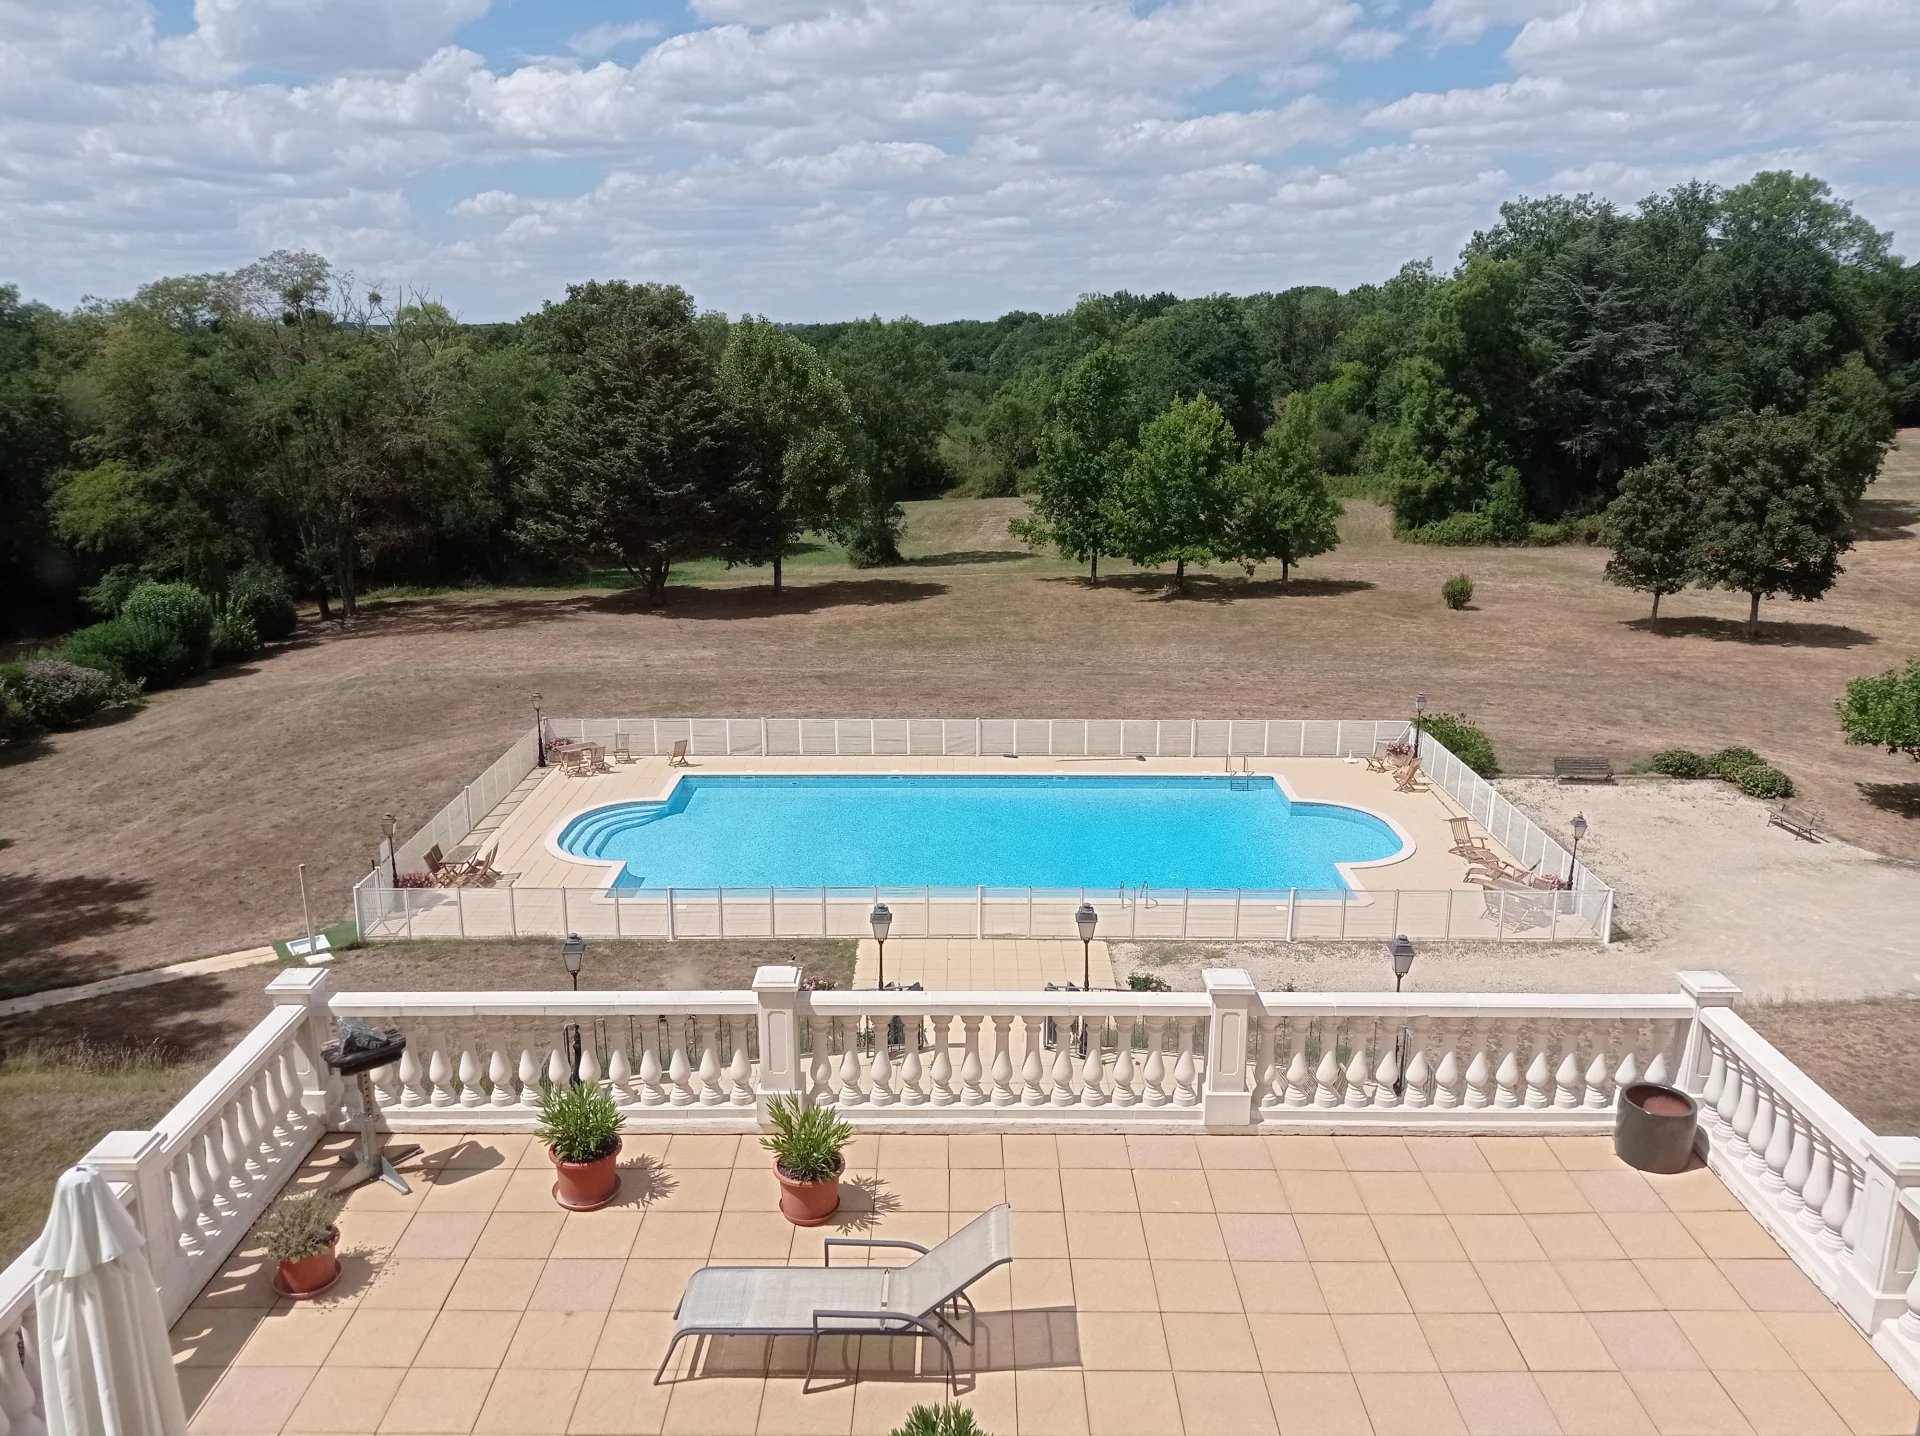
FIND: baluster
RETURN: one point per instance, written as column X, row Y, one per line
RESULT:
column 1326, row 1077
column 851, row 1092
column 1386, row 1076
column 1448, row 1074
column 1813, row 1196
column 1838, row 1205
column 233, row 1152
column 1186, row 1070
column 1482, row 1036
column 243, row 1151
column 1266, row 1072
column 881, row 1093
column 1003, row 1093
column 973, row 1092
column 1744, row 1110
column 820, row 1068
column 1419, row 1071
column 1538, row 1094
column 1760, row 1134
column 559, row 1073
column 620, row 1076
column 940, row 1070
column 739, row 1070
column 1664, row 1036
column 1093, row 1065
column 529, row 1075
column 709, row 1035
column 1124, row 1094
column 1566, row 1077
column 1033, row 1071
column 18, row 1397
column 1799, row 1167
column 1506, row 1072
column 201, row 1185
column 186, row 1216
column 1354, row 1092
column 471, row 1092
column 439, row 1069
column 1779, row 1147
column 264, row 1124
column 1062, row 1094
column 1597, row 1098
column 1156, row 1093
column 275, row 1112
column 1299, row 1075
column 1856, row 1215
column 679, row 1069
column 500, row 1075
column 386, row 1085
column 1716, row 1083
column 220, row 1189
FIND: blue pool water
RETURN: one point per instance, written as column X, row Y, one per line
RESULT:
column 962, row 831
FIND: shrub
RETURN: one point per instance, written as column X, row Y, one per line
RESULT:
column 57, row 693
column 806, row 1141
column 1729, row 763
column 1473, row 530
column 947, row 1419
column 1466, row 742
column 138, row 652
column 1147, row 982
column 235, row 639
column 300, row 1226
column 1763, row 780
column 262, row 593
column 1457, row 591
column 176, row 608
column 107, row 597
column 1884, row 710
column 578, row 1121
column 1680, row 763
column 15, row 725
column 414, row 880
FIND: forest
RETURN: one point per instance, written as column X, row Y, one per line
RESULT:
column 283, row 429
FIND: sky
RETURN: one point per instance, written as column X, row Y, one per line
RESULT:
column 941, row 158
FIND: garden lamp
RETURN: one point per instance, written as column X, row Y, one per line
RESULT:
column 1086, row 919
column 539, row 733
column 573, row 952
column 387, row 821
column 1419, row 708
column 882, row 919
column 1401, row 949
column 1579, row 826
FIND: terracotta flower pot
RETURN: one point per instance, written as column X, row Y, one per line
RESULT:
column 587, row 1186
column 310, row 1275
column 809, row 1204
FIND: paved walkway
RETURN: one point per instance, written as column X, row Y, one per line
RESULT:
column 129, row 981
column 965, row 964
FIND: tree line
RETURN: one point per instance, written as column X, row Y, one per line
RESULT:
column 1577, row 354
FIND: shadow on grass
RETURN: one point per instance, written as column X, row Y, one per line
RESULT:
column 54, row 932
column 184, row 1016
column 760, row 601
column 1213, row 588
column 1881, row 520
column 1729, row 630
column 1900, row 799
column 966, row 556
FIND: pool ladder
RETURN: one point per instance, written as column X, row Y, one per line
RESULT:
column 1240, row 780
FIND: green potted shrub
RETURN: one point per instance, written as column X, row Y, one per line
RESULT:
column 949, row 1419
column 302, row 1236
column 808, row 1157
column 581, row 1129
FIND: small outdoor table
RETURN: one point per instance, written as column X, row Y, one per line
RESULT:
column 369, row 1157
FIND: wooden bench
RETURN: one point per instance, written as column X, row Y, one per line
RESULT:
column 1795, row 822
column 1583, row 769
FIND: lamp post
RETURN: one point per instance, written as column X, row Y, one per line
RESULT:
column 1579, row 826
column 539, row 734
column 387, row 821
column 1086, row 919
column 573, row 952
column 882, row 919
column 1419, row 708
column 1401, row 950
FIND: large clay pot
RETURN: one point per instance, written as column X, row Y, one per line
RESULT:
column 1653, row 1127
column 310, row 1275
column 587, row 1186
column 809, row 1204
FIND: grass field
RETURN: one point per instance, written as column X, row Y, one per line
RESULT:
column 176, row 832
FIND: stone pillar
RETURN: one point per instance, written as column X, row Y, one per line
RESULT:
column 1707, row 989
column 134, row 1159
column 1876, row 1274
column 1227, row 1099
column 777, row 990
column 321, row 1091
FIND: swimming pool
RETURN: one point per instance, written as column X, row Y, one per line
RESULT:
column 849, row 830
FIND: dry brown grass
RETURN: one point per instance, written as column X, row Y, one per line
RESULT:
column 1858, row 1051
column 176, row 833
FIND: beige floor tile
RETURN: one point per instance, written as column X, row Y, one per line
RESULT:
column 461, row 1190
column 529, row 1189
column 1872, row 1403
column 1396, row 1193
column 365, row 1231
column 619, row 1403
column 1303, row 1154
column 485, row 1151
column 1407, row 1403
column 1594, row 1403
column 245, row 1279
column 1497, row 1239
column 1238, row 1189
column 441, row 1234
column 974, row 1149
column 1644, row 1341
column 1537, row 1192
column 914, row 1149
column 1586, row 1153
column 1033, row 1189
column 786, row 1410
column 1209, row 1341
column 1030, row 1150
column 1782, row 1403
column 1695, row 1190
column 412, row 1283
column 1318, row 1404
column 1176, row 1190
column 1121, row 1341
column 1051, row 1403
column 1170, row 1153
column 632, row 1340
column 676, row 1234
column 1443, row 1286
column 437, row 1399
column 1687, row 1403
column 251, row 1399
column 475, row 1339
column 519, row 1234
column 1183, row 1236
column 346, row 1399
column 723, row 1406
column 1317, row 1190
column 530, row 1402
column 1575, row 1236
column 1133, row 1403
column 1418, row 1238
column 1559, row 1341
column 702, row 1150
column 1278, row 1286
column 1225, row 1401
column 1092, row 1150
column 1261, row 1236
column 654, row 1283
column 913, row 1189
column 752, row 1236
column 576, row 1284
column 294, row 1336
column 1730, row 1234
column 1607, row 1286
column 213, row 1336
column 1525, row 1286
column 1518, row 1154
column 1819, row 1341
column 1374, row 1154
column 1358, row 1287
column 974, row 1189
column 1333, row 1237
column 1471, row 1342
column 561, row 1340
column 1734, row 1340
column 1384, row 1343
column 1690, row 1284
column 1114, row 1235
column 607, row 1233
column 1618, row 1191
column 1501, row 1403
column 1233, row 1153
column 1448, row 1154
column 1042, row 1282
column 378, row 1336
column 1470, row 1194
column 1196, row 1286
column 1037, row 1234
column 495, row 1284
column 1098, row 1189
column 1114, row 1285
column 1773, row 1285
column 700, row 1189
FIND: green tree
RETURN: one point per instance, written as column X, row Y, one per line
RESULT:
column 1773, row 518
column 1851, row 414
column 896, row 379
column 1281, row 507
column 799, row 435
column 1082, row 453
column 1173, row 503
column 639, row 461
column 1654, row 525
column 1885, row 710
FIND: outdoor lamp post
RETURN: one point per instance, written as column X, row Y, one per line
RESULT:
column 882, row 919
column 539, row 734
column 1419, row 708
column 1401, row 949
column 1086, row 919
column 1579, row 826
column 573, row 952
column 387, row 821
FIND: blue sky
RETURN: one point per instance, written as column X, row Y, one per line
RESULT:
column 820, row 158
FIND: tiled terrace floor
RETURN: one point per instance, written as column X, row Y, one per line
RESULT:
column 1318, row 1286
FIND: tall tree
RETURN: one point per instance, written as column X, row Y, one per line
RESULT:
column 1281, row 507
column 799, row 435
column 1654, row 525
column 639, row 461
column 1173, row 503
column 896, row 378
column 1082, row 453
column 1884, row 710
column 1774, row 518
column 35, row 431
column 1851, row 414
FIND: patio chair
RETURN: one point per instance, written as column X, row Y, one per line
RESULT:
column 481, row 871
column 1408, row 779
column 679, row 757
column 1466, row 845
column 926, row 1297
column 579, row 763
column 435, row 860
column 623, row 748
column 1379, row 763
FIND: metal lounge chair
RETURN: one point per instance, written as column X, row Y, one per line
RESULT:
column 926, row 1297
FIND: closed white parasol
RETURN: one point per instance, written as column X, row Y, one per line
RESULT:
column 105, row 1363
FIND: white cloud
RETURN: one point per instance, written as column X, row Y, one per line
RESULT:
column 319, row 37
column 599, row 40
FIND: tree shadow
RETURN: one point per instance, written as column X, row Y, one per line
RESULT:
column 966, row 556
column 760, row 601
column 1214, row 588
column 53, row 931
column 184, row 1016
column 1729, row 630
column 1900, row 799
column 1882, row 520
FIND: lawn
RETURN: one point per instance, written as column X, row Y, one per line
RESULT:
column 178, row 831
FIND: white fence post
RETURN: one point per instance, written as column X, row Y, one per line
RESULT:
column 1227, row 1100
column 777, row 990
column 670, row 927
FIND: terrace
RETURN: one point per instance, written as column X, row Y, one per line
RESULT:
column 1235, row 1211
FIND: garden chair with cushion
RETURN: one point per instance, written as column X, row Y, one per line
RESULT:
column 926, row 1297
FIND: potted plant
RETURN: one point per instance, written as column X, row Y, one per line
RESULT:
column 948, row 1420
column 300, row 1234
column 581, row 1128
column 807, row 1145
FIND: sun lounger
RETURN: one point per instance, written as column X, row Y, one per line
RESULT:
column 1408, row 779
column 926, row 1297
column 1466, row 845
column 679, row 757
